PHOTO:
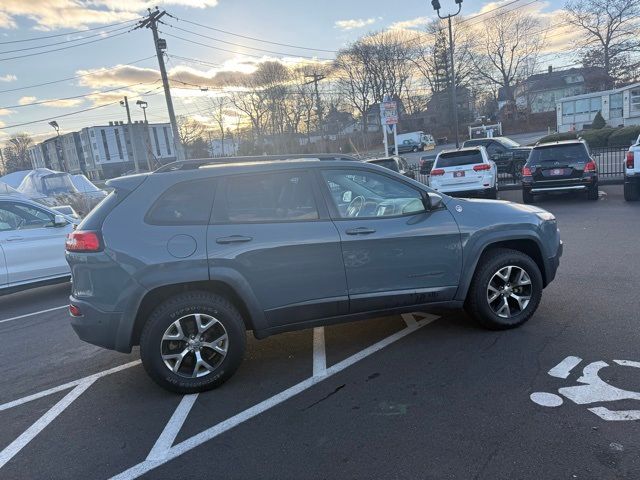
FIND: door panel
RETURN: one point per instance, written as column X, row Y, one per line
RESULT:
column 264, row 229
column 3, row 269
column 395, row 260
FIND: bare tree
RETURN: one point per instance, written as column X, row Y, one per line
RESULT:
column 609, row 33
column 191, row 135
column 16, row 153
column 506, row 50
column 219, row 112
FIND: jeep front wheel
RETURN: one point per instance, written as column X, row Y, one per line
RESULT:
column 506, row 289
column 193, row 342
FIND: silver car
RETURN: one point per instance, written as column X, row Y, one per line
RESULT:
column 32, row 240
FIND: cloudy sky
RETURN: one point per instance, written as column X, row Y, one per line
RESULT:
column 87, row 45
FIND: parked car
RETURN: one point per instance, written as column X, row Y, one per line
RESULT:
column 405, row 147
column 67, row 210
column 508, row 155
column 183, row 260
column 632, row 173
column 32, row 239
column 426, row 163
column 397, row 164
column 560, row 167
column 425, row 140
column 464, row 172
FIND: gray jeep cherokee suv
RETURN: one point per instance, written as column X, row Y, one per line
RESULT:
column 184, row 260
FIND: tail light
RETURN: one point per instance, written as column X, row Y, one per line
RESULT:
column 74, row 311
column 437, row 171
column 481, row 167
column 630, row 160
column 590, row 167
column 526, row 171
column 83, row 241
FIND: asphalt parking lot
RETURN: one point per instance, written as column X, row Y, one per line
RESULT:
column 430, row 397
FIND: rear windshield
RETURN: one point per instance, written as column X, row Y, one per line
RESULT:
column 575, row 152
column 457, row 159
column 474, row 143
column 388, row 163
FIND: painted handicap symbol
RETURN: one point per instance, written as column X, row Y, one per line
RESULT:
column 592, row 390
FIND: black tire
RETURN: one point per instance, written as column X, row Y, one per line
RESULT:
column 631, row 192
column 592, row 193
column 415, row 149
column 516, row 171
column 492, row 193
column 477, row 303
column 182, row 306
column 527, row 196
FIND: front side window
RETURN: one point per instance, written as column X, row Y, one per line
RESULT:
column 364, row 194
column 273, row 197
column 17, row 216
column 186, row 203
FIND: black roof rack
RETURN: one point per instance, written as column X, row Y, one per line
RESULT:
column 195, row 164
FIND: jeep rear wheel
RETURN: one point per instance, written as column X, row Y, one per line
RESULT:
column 631, row 192
column 506, row 289
column 193, row 342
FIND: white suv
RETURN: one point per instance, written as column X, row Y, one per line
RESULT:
column 632, row 173
column 465, row 171
column 31, row 244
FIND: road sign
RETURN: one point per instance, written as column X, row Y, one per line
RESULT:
column 389, row 113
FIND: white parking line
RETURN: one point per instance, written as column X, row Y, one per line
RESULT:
column 212, row 432
column 34, row 313
column 66, row 386
column 319, row 353
column 170, row 432
column 30, row 433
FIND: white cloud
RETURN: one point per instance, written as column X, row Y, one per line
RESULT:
column 5, row 111
column 54, row 14
column 8, row 78
column 25, row 100
column 2, row 124
column 410, row 24
column 354, row 23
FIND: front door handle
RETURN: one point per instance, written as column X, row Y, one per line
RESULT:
column 15, row 239
column 233, row 239
column 360, row 231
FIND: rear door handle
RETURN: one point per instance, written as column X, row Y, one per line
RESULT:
column 360, row 231
column 14, row 239
column 233, row 239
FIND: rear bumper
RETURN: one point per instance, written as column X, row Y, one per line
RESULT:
column 568, row 185
column 98, row 327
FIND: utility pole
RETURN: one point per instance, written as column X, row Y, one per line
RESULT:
column 316, row 77
column 125, row 104
column 161, row 44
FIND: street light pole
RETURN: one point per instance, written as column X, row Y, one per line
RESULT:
column 454, row 99
column 59, row 147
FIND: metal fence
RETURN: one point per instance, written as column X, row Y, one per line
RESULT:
column 610, row 161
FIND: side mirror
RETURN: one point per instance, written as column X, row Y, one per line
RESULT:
column 433, row 201
column 59, row 221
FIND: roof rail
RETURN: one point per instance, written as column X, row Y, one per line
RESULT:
column 201, row 162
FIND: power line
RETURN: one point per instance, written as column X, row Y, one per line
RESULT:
column 76, row 76
column 193, row 60
column 101, row 34
column 77, row 96
column 66, row 114
column 42, row 37
column 252, row 38
column 63, row 48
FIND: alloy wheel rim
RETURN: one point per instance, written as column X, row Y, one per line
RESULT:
column 509, row 291
column 194, row 345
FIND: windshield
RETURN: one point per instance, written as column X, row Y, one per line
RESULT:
column 507, row 142
column 575, row 152
column 55, row 184
column 457, row 159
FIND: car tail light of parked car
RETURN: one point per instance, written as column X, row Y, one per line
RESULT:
column 83, row 241
column 590, row 167
column 483, row 166
column 436, row 172
column 630, row 160
column 526, row 171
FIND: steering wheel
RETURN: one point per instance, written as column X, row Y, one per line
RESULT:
column 354, row 208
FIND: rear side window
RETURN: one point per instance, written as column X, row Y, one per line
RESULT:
column 273, row 197
column 186, row 203
column 559, row 153
column 457, row 159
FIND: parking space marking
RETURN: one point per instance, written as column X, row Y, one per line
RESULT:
column 34, row 313
column 30, row 433
column 409, row 319
column 232, row 422
column 171, row 430
column 563, row 369
column 319, row 353
column 66, row 386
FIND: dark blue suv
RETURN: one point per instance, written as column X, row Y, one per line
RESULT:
column 184, row 260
